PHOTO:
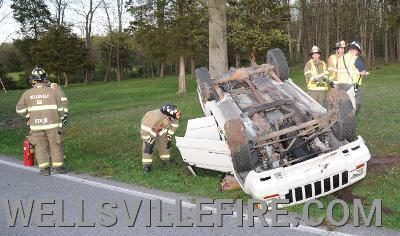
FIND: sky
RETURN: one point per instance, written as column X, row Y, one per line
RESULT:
column 9, row 27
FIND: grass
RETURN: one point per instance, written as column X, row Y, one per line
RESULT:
column 102, row 137
column 16, row 76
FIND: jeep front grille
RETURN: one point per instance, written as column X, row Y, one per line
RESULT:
column 317, row 188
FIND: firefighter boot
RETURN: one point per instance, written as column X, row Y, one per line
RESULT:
column 170, row 161
column 146, row 169
column 45, row 171
column 59, row 170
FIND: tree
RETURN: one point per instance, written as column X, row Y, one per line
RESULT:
column 218, row 49
column 34, row 18
column 151, row 27
column 9, row 57
column 61, row 52
column 60, row 7
column 256, row 25
column 88, row 12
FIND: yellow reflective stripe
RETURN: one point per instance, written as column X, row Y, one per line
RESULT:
column 64, row 99
column 65, row 109
column 147, row 160
column 27, row 116
column 44, row 127
column 165, row 156
column 41, row 108
column 57, row 164
column 44, row 165
column 175, row 125
column 162, row 132
column 60, row 109
column 148, row 129
column 171, row 132
column 146, row 137
column 22, row 110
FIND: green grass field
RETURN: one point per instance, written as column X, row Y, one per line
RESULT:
column 102, row 135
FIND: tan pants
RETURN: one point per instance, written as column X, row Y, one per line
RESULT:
column 319, row 96
column 162, row 145
column 49, row 147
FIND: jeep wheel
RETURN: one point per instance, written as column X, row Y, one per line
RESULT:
column 345, row 127
column 204, row 85
column 276, row 58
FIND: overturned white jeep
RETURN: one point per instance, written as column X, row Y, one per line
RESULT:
column 272, row 136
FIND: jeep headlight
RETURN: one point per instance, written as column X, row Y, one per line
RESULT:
column 358, row 171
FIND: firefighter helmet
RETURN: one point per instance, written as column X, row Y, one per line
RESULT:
column 355, row 45
column 171, row 110
column 38, row 74
column 341, row 44
column 315, row 49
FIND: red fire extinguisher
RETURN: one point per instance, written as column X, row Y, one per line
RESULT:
column 29, row 153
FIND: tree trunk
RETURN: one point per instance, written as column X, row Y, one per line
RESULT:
column 398, row 45
column 118, row 65
column 237, row 60
column 108, row 64
column 327, row 28
column 162, row 69
column 298, row 45
column 65, row 80
column 253, row 58
column 370, row 46
column 290, row 42
column 182, row 81
column 218, row 51
column 192, row 67
column 385, row 46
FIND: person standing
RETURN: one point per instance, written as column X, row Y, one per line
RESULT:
column 157, row 128
column 45, row 112
column 333, row 61
column 351, row 71
column 316, row 76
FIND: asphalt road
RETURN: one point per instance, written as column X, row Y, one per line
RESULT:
column 20, row 183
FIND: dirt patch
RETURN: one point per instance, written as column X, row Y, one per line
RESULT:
column 382, row 164
column 347, row 195
column 11, row 123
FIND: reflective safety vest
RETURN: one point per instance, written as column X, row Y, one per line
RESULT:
column 347, row 70
column 333, row 61
column 155, row 123
column 311, row 72
column 42, row 106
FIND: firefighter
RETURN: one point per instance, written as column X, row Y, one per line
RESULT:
column 316, row 76
column 333, row 60
column 157, row 128
column 351, row 71
column 63, row 97
column 43, row 107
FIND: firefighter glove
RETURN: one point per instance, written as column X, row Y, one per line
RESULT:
column 169, row 137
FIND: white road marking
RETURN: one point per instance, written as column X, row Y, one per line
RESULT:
column 167, row 200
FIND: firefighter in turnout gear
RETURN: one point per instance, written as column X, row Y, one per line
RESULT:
column 63, row 97
column 316, row 76
column 43, row 108
column 351, row 71
column 333, row 60
column 157, row 128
